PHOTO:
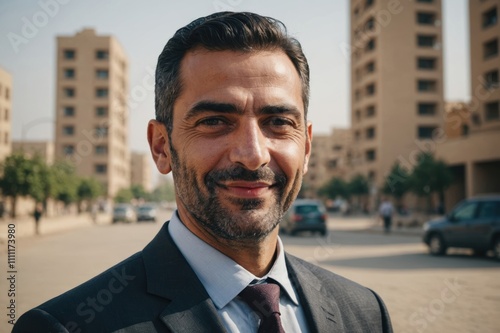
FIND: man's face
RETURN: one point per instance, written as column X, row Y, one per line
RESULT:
column 239, row 144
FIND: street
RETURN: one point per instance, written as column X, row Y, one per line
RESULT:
column 456, row 293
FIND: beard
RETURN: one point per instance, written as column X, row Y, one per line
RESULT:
column 241, row 219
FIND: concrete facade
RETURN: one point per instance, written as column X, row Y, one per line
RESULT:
column 396, row 82
column 44, row 149
column 5, row 113
column 328, row 159
column 141, row 170
column 91, row 108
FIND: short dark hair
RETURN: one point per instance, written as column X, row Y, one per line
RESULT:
column 221, row 31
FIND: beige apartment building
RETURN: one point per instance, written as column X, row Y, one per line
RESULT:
column 141, row 170
column 328, row 159
column 396, row 83
column 43, row 149
column 5, row 113
column 91, row 128
column 474, row 156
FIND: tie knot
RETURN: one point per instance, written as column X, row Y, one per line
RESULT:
column 262, row 298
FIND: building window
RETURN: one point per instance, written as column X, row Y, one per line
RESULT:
column 426, row 63
column 371, row 155
column 370, row 89
column 426, row 40
column 101, row 92
column 370, row 45
column 7, row 115
column 427, row 109
column 492, row 111
column 370, row 133
column 6, row 138
column 370, row 67
column 101, row 168
column 358, row 116
column 69, row 130
column 68, row 111
column 101, row 111
column 425, row 132
column 370, row 111
column 7, row 93
column 357, row 135
column 426, row 18
column 102, row 74
column 369, row 3
column 101, row 131
column 491, row 79
column 357, row 95
column 101, row 150
column 69, row 73
column 69, row 92
column 68, row 149
column 427, row 85
column 370, row 24
column 490, row 18
column 490, row 49
column 102, row 54
column 332, row 164
column 69, row 54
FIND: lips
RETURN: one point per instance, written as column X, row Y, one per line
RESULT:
column 248, row 190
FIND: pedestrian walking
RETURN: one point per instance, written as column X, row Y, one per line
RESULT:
column 386, row 210
column 37, row 214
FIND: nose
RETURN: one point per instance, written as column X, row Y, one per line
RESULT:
column 249, row 146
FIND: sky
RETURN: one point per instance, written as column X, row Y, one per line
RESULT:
column 143, row 28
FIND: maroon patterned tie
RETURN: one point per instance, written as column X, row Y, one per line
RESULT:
column 264, row 299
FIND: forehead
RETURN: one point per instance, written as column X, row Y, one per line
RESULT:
column 258, row 74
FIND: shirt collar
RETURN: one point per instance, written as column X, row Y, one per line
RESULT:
column 221, row 276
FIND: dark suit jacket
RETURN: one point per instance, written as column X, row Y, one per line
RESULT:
column 156, row 290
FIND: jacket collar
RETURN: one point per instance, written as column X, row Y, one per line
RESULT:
column 169, row 276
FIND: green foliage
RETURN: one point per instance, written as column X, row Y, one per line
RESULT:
column 125, row 195
column 89, row 189
column 336, row 187
column 138, row 192
column 164, row 192
column 66, row 181
column 359, row 185
column 430, row 176
column 397, row 182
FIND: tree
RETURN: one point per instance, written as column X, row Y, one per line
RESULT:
column 138, row 192
column 164, row 192
column 125, row 195
column 359, row 186
column 67, row 182
column 336, row 187
column 21, row 176
column 88, row 189
column 430, row 176
column 397, row 183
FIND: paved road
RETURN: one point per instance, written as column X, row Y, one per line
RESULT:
column 457, row 293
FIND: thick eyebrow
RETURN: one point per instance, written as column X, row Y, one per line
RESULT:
column 282, row 109
column 204, row 106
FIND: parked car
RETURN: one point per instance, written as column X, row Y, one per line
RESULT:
column 474, row 223
column 123, row 213
column 146, row 213
column 305, row 215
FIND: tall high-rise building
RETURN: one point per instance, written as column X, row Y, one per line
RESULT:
column 91, row 108
column 396, row 82
column 485, row 62
column 5, row 113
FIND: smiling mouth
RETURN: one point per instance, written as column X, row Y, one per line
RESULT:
column 247, row 190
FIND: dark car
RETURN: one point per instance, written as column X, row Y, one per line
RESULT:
column 146, row 213
column 305, row 215
column 474, row 223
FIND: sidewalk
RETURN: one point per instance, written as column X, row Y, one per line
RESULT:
column 25, row 226
column 369, row 224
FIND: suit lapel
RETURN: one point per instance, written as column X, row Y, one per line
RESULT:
column 190, row 309
column 321, row 310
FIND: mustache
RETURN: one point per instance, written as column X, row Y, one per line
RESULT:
column 238, row 173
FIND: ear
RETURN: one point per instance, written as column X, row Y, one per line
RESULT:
column 159, row 146
column 308, row 147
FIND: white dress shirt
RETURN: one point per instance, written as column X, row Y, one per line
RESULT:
column 224, row 279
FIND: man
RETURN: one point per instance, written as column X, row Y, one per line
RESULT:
column 231, row 124
column 386, row 210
